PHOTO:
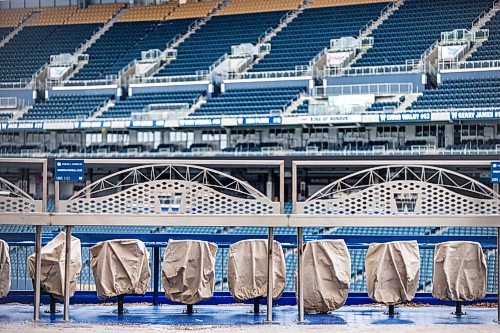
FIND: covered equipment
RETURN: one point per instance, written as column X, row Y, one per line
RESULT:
column 120, row 267
column 392, row 271
column 460, row 271
column 4, row 269
column 248, row 266
column 188, row 271
column 53, row 256
column 326, row 268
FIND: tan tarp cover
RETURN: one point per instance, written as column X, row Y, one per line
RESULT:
column 120, row 267
column 188, row 271
column 392, row 271
column 327, row 275
column 460, row 271
column 4, row 269
column 247, row 269
column 53, row 256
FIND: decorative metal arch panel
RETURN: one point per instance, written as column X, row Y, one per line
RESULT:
column 170, row 189
column 15, row 200
column 403, row 190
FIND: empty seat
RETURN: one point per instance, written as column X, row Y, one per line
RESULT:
column 460, row 271
column 247, row 269
column 326, row 275
column 53, row 256
column 188, row 271
column 120, row 267
column 4, row 269
column 392, row 271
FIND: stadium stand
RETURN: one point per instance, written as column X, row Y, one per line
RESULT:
column 416, row 26
column 311, row 32
column 67, row 107
column 461, row 93
column 148, row 13
column 137, row 102
column 303, row 108
column 194, row 9
column 489, row 49
column 249, row 101
column 258, row 6
column 95, row 14
column 220, row 33
column 11, row 18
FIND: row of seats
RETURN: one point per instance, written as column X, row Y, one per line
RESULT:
column 11, row 18
column 67, row 107
column 415, row 26
column 53, row 16
column 249, row 101
column 310, row 32
column 193, row 9
column 137, row 102
column 258, row 6
column 148, row 13
column 333, row 3
column 461, row 93
column 95, row 14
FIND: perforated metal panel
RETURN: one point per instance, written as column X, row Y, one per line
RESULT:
column 15, row 200
column 403, row 190
column 170, row 189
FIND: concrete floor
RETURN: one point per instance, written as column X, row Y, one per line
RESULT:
column 235, row 318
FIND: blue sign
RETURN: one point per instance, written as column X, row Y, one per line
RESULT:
column 473, row 115
column 309, row 238
column 69, row 170
column 265, row 120
column 495, row 172
column 404, row 116
column 200, row 122
column 22, row 126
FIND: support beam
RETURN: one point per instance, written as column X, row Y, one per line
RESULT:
column 38, row 269
column 498, row 275
column 156, row 275
column 300, row 277
column 67, row 267
column 270, row 274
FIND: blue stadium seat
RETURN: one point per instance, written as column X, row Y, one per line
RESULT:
column 490, row 49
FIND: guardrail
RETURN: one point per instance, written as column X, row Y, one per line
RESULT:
column 8, row 102
column 467, row 65
column 203, row 75
column 363, row 89
column 411, row 66
column 276, row 74
column 14, row 85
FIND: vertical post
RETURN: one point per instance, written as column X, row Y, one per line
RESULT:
column 67, row 266
column 120, row 305
column 270, row 274
column 56, row 196
column 256, row 305
column 498, row 275
column 300, row 281
column 189, row 309
column 38, row 269
column 156, row 274
column 44, row 186
column 392, row 310
column 52, row 304
column 282, row 187
column 294, row 187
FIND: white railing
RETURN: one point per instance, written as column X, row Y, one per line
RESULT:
column 467, row 65
column 364, row 89
column 128, row 67
column 318, row 56
column 14, row 85
column 298, row 72
column 409, row 67
column 199, row 76
column 429, row 50
column 218, row 62
column 8, row 102
column 110, row 80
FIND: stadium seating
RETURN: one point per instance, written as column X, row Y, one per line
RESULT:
column 148, row 13
column 11, row 18
column 53, row 16
column 95, row 14
column 214, row 39
column 67, row 107
column 490, row 49
column 309, row 33
column 193, row 9
column 258, row 6
column 416, row 26
column 381, row 106
column 461, row 93
column 138, row 102
column 32, row 47
column 303, row 108
column 249, row 101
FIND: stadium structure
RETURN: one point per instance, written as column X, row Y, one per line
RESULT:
column 296, row 157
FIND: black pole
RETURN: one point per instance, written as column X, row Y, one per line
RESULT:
column 256, row 305
column 392, row 310
column 52, row 304
column 120, row 304
column 156, row 274
column 458, row 309
column 189, row 309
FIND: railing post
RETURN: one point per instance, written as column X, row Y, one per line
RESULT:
column 38, row 269
column 67, row 265
column 270, row 274
column 300, row 281
column 156, row 274
column 498, row 275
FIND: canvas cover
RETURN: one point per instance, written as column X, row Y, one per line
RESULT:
column 4, row 269
column 460, row 271
column 247, row 269
column 392, row 271
column 53, row 255
column 188, row 271
column 327, row 275
column 120, row 267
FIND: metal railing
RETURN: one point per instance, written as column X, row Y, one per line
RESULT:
column 157, row 242
column 298, row 72
column 8, row 102
column 363, row 89
column 467, row 65
column 199, row 76
column 411, row 66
